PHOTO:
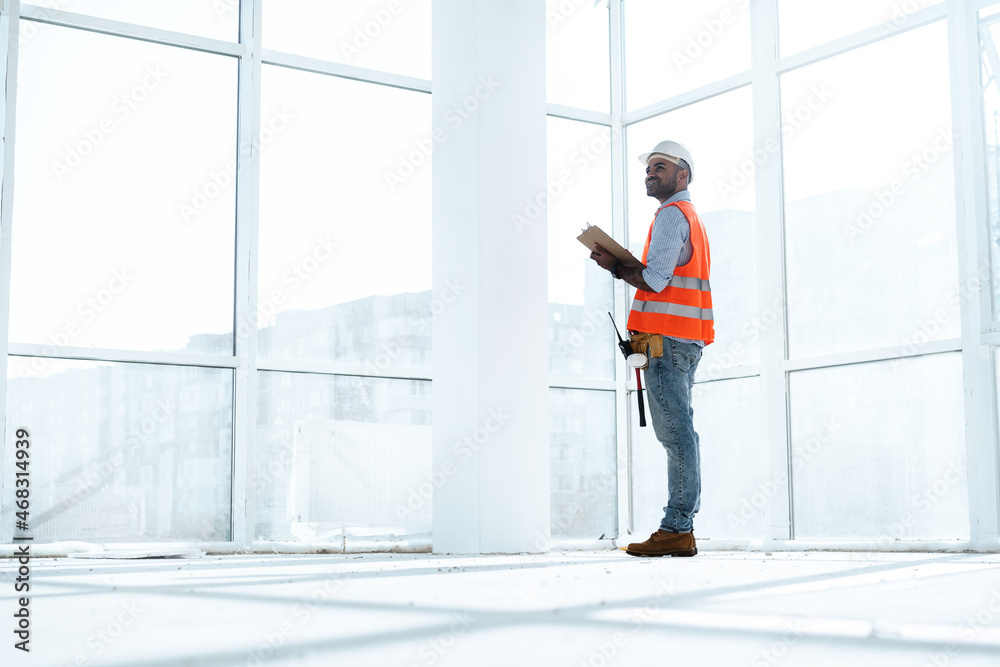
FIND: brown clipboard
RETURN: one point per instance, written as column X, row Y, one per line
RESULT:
column 594, row 234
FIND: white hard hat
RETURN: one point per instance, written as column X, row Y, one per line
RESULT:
column 674, row 152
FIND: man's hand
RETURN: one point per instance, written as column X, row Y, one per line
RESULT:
column 604, row 259
column 630, row 274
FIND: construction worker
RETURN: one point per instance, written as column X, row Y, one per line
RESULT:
column 670, row 322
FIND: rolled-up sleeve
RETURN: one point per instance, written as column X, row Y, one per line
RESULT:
column 671, row 232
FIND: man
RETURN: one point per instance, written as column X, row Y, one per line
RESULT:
column 671, row 321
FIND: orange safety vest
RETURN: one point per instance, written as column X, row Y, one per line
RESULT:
column 684, row 308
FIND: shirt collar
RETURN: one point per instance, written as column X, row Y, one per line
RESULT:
column 683, row 195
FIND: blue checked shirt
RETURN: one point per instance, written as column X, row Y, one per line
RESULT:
column 669, row 247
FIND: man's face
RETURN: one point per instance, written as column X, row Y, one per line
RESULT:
column 662, row 180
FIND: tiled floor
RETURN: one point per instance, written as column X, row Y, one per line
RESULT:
column 577, row 609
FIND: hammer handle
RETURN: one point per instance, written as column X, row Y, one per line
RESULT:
column 638, row 391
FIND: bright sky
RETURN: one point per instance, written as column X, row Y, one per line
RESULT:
column 806, row 24
column 674, row 47
column 123, row 148
column 123, row 176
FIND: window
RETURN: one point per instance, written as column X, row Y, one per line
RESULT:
column 581, row 294
column 869, row 191
column 583, row 465
column 131, row 462
column 674, row 47
column 218, row 19
column 345, row 244
column 386, row 35
column 577, row 54
column 343, row 459
column 809, row 24
column 126, row 203
column 878, row 452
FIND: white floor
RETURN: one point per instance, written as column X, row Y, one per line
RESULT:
column 575, row 609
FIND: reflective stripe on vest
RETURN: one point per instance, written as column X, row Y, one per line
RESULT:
column 667, row 308
column 684, row 308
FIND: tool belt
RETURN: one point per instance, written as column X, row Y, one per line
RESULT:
column 649, row 344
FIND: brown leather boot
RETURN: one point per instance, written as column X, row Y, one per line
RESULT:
column 663, row 543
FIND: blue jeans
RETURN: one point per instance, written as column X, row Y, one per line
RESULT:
column 669, row 380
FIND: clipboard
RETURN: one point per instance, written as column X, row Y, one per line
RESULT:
column 594, row 234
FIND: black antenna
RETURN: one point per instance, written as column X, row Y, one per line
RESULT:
column 615, row 326
column 624, row 345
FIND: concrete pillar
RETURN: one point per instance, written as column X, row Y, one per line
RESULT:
column 491, row 431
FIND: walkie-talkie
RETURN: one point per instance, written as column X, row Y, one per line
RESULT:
column 626, row 348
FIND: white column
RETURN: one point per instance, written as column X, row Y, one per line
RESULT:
column 9, row 22
column 620, row 231
column 245, row 326
column 491, row 431
column 973, row 234
column 771, row 264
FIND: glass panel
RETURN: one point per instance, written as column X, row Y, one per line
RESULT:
column 672, row 47
column 125, row 214
column 734, row 482
column 345, row 250
column 387, row 35
column 218, row 19
column 125, row 452
column 583, row 464
column 878, row 451
column 578, row 54
column 806, row 24
column 870, row 245
column 343, row 459
column 581, row 294
column 990, row 70
column 722, row 192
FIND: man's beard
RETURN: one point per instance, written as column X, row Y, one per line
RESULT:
column 662, row 189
